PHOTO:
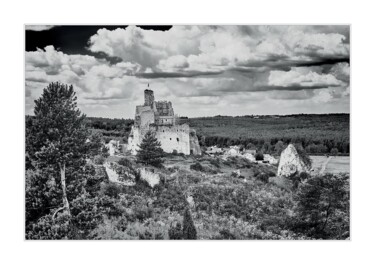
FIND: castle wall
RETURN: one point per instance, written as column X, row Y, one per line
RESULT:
column 165, row 120
column 174, row 138
column 147, row 118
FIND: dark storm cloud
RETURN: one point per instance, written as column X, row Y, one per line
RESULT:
column 72, row 39
column 175, row 74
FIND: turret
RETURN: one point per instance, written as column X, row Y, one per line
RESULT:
column 149, row 97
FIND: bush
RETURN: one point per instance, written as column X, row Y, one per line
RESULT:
column 111, row 189
column 259, row 156
column 99, row 160
column 197, row 167
column 125, row 162
column 175, row 232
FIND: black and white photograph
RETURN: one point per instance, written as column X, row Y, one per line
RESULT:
column 187, row 132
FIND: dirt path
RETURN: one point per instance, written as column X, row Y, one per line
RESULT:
column 325, row 165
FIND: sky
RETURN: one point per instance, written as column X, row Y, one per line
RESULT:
column 203, row 70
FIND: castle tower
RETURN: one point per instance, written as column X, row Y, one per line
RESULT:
column 149, row 97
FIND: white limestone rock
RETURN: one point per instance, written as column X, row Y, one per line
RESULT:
column 270, row 159
column 291, row 162
column 151, row 178
column 249, row 157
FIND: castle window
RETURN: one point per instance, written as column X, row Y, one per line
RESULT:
column 170, row 139
column 178, row 139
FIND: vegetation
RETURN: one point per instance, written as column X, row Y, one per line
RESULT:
column 198, row 198
column 317, row 134
column 188, row 230
column 150, row 152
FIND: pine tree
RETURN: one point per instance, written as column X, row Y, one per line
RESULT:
column 56, row 141
column 188, row 230
column 150, row 152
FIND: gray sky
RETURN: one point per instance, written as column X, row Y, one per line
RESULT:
column 203, row 70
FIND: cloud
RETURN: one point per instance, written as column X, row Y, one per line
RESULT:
column 206, row 48
column 301, row 77
column 38, row 27
column 94, row 80
column 204, row 70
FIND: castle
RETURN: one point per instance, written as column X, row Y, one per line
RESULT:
column 159, row 117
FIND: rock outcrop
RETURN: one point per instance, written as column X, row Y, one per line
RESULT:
column 291, row 162
column 151, row 178
column 270, row 159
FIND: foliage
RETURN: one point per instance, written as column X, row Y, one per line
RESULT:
column 150, row 152
column 175, row 232
column 188, row 229
column 259, row 156
column 318, row 134
column 197, row 166
column 322, row 209
column 303, row 155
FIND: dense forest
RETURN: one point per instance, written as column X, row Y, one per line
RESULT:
column 317, row 134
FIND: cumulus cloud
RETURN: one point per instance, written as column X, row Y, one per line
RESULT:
column 204, row 70
column 302, row 77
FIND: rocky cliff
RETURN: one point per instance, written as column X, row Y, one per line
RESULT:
column 291, row 162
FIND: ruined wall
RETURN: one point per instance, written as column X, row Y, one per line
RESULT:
column 146, row 118
column 134, row 140
column 195, row 149
column 165, row 120
column 174, row 138
column 164, row 108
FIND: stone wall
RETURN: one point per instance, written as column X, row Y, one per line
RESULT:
column 147, row 118
column 174, row 138
column 195, row 149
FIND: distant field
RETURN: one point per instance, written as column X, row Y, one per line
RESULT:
column 336, row 164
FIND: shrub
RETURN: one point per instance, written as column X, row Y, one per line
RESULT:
column 175, row 232
column 111, row 189
column 125, row 162
column 263, row 177
column 99, row 160
column 304, row 156
column 259, row 156
column 197, row 166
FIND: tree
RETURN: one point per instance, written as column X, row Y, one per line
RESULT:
column 57, row 138
column 150, row 152
column 322, row 209
column 259, row 156
column 279, row 147
column 188, row 230
column 334, row 151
